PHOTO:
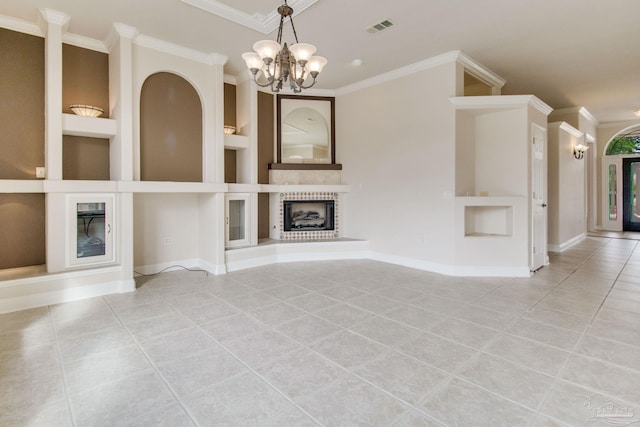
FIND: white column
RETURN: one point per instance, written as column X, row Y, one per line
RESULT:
column 213, row 135
column 54, row 25
column 121, row 100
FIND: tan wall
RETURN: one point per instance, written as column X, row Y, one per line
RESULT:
column 229, row 104
column 22, row 236
column 85, row 78
column 85, row 158
column 230, row 176
column 21, row 105
column 170, row 130
column 266, row 143
column 474, row 87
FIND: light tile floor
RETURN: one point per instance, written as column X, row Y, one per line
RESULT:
column 337, row 344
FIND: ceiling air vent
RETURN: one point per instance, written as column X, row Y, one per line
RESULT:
column 380, row 26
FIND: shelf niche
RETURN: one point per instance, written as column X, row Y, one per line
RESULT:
column 22, row 106
column 170, row 130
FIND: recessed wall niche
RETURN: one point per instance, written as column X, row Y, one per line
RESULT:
column 170, row 130
column 85, row 78
column 22, row 233
column 85, row 158
column 22, row 106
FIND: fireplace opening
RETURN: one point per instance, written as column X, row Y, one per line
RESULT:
column 309, row 215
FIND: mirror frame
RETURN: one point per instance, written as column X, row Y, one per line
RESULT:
column 310, row 100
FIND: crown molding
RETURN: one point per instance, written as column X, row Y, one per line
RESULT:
column 119, row 31
column 425, row 64
column 496, row 102
column 589, row 138
column 577, row 110
column 20, row 26
column 84, row 42
column 180, row 51
column 479, row 71
column 567, row 128
column 587, row 115
column 258, row 22
column 54, row 17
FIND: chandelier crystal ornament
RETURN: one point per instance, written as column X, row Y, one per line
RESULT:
column 281, row 64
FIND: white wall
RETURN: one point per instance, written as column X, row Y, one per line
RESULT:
column 165, row 230
column 492, row 130
column 566, row 187
column 396, row 142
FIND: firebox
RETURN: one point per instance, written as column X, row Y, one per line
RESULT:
column 309, row 215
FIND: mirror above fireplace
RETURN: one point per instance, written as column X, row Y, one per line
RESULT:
column 305, row 133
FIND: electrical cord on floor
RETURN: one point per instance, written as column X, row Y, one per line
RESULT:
column 173, row 266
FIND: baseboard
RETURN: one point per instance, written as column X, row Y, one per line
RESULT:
column 453, row 270
column 566, row 245
column 66, row 294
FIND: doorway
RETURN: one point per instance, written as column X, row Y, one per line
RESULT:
column 630, row 188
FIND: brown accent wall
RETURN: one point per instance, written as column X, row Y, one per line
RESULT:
column 22, row 235
column 229, row 104
column 266, row 121
column 85, row 78
column 85, row 158
column 21, row 105
column 170, row 130
column 230, row 175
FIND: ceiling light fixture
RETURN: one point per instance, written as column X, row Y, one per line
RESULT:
column 280, row 63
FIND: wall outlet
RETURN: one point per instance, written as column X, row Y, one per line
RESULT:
column 39, row 171
column 168, row 240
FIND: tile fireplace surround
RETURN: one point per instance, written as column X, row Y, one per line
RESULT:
column 319, row 186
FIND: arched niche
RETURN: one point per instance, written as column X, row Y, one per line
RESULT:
column 170, row 130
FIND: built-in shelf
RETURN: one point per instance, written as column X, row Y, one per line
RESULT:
column 94, row 127
column 170, row 187
column 273, row 188
column 305, row 166
column 244, row 188
column 79, row 186
column 236, row 142
column 21, row 186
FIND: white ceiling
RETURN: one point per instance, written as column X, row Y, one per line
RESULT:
column 567, row 52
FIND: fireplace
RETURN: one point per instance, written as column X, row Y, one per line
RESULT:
column 307, row 216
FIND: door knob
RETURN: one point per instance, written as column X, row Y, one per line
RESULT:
column 544, row 205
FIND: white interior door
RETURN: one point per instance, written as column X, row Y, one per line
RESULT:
column 538, row 197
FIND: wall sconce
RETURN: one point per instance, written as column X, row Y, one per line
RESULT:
column 578, row 151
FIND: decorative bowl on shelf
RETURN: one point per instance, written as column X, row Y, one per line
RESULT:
column 86, row 110
column 229, row 130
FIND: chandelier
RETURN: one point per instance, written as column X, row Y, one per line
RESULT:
column 280, row 64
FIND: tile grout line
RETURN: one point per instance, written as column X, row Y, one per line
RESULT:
column 61, row 367
column 153, row 366
column 558, row 377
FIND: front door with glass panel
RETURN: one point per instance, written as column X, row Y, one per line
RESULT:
column 630, row 188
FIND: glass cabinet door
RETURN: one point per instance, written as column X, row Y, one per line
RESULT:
column 90, row 231
column 236, row 220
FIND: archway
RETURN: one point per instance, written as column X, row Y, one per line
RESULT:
column 621, row 176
